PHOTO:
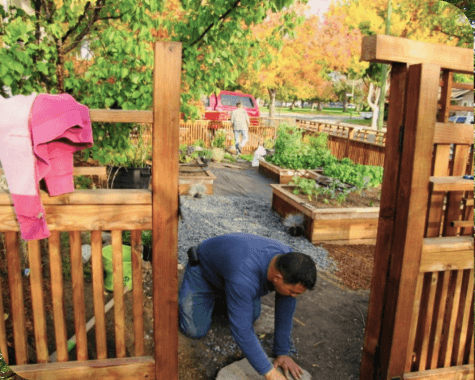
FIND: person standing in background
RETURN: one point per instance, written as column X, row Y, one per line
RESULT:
column 240, row 123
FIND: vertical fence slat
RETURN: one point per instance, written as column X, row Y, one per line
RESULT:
column 440, row 318
column 465, row 319
column 454, row 198
column 440, row 168
column 453, row 319
column 37, row 301
column 411, row 354
column 17, row 306
column 98, row 291
column 3, row 335
column 57, row 296
column 137, row 285
column 118, row 279
column 428, row 322
column 77, row 278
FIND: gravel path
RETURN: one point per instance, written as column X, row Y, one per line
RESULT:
column 249, row 212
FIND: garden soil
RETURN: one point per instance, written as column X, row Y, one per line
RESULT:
column 329, row 321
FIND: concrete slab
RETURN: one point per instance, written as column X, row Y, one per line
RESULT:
column 242, row 370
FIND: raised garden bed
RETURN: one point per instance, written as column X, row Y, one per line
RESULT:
column 280, row 175
column 332, row 224
column 191, row 175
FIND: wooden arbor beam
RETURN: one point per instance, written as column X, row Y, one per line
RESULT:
column 165, row 168
column 388, row 49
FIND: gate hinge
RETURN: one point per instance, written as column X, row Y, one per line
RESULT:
column 401, row 137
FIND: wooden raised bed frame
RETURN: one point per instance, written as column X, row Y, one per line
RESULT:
column 186, row 182
column 328, row 225
column 280, row 175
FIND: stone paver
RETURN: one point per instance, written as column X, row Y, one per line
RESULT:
column 242, row 370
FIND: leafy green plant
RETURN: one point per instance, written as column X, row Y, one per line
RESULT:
column 229, row 157
column 294, row 152
column 305, row 186
column 146, row 237
column 81, row 182
column 199, row 143
column 219, row 140
column 362, row 176
column 269, row 144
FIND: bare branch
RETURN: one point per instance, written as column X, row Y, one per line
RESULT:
column 222, row 17
column 78, row 23
column 92, row 20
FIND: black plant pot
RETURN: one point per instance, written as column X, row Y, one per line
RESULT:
column 129, row 178
column 147, row 253
column 206, row 161
column 296, row 231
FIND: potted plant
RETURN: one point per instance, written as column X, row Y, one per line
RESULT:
column 269, row 147
column 131, row 169
column 218, row 145
column 205, row 156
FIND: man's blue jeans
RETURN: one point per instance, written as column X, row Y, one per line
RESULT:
column 196, row 301
column 244, row 138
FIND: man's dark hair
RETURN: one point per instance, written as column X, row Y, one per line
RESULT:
column 297, row 268
column 238, row 104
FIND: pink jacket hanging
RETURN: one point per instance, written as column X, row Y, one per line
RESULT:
column 58, row 126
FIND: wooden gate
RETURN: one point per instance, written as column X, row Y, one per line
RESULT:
column 420, row 316
column 95, row 211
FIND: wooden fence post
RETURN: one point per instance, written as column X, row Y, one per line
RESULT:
column 385, row 238
column 165, row 141
column 411, row 204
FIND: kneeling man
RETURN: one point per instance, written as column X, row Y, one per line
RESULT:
column 243, row 268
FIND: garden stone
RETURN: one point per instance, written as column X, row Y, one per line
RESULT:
column 242, row 370
column 265, row 323
column 106, row 238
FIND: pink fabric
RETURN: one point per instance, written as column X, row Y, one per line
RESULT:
column 59, row 127
column 42, row 148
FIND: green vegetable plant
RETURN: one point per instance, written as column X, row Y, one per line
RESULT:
column 294, row 152
column 219, row 140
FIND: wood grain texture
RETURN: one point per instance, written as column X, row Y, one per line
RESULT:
column 57, row 295
column 385, row 231
column 106, row 369
column 121, row 116
column 91, row 197
column 3, row 335
column 17, row 307
column 77, row 278
column 87, row 217
column 137, row 285
column 118, row 281
column 165, row 142
column 98, row 291
column 419, row 121
column 37, row 301
column 453, row 373
column 389, row 49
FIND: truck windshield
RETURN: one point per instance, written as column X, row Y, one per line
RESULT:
column 231, row 100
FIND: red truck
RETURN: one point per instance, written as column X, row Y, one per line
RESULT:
column 220, row 107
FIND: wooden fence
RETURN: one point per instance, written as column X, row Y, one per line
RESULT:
column 95, row 211
column 362, row 145
column 420, row 317
column 204, row 130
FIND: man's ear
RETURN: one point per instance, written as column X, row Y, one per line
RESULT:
column 278, row 278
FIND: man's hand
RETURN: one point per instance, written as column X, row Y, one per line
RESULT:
column 273, row 374
column 288, row 365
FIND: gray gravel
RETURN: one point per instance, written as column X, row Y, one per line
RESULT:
column 212, row 216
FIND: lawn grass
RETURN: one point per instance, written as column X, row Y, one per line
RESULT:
column 325, row 111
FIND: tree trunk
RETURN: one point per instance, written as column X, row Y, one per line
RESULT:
column 60, row 66
column 374, row 104
column 272, row 94
column 344, row 102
